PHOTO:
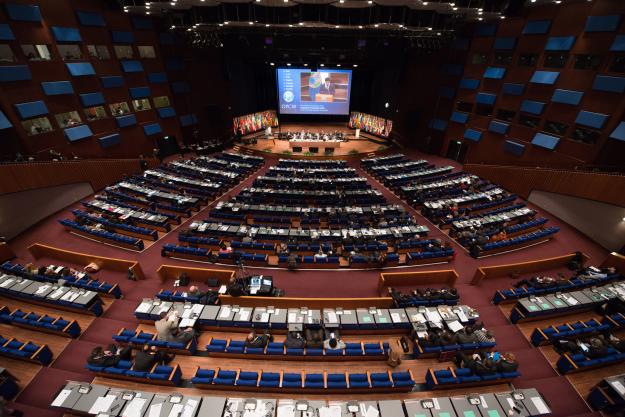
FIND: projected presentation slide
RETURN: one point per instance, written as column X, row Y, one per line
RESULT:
column 302, row 91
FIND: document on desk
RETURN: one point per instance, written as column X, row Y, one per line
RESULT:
column 619, row 387
column 102, row 404
column 134, row 408
column 540, row 405
column 7, row 282
column 189, row 408
column 144, row 307
column 176, row 409
column 225, row 312
column 60, row 399
column 245, row 315
column 331, row 411
column 332, row 318
column 395, row 317
column 455, row 326
column 286, row 410
column 461, row 315
column 42, row 289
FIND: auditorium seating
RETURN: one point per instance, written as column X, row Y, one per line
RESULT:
column 138, row 338
column 102, row 235
column 516, row 242
column 453, row 378
column 369, row 382
column 575, row 330
column 25, row 351
column 44, row 323
column 158, row 375
column 570, row 363
column 437, row 351
column 278, row 350
column 86, row 282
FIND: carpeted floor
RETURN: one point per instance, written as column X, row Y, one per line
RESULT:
column 536, row 371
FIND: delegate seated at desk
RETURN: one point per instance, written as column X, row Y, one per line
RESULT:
column 167, row 329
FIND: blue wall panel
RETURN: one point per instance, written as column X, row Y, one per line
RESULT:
column 23, row 12
column 120, row 36
column 545, row 141
column 459, row 117
column 532, row 107
column 545, row 77
column 174, row 64
column 473, row 135
column 590, row 119
column 152, row 129
column 513, row 89
column 447, row 92
column 64, row 34
column 57, row 88
column 619, row 132
column 514, row 147
column 607, row 23
column 609, row 84
column 131, row 66
column 560, row 43
column 188, row 120
column 485, row 29
column 90, row 19
column 142, row 23
column 91, row 99
column 180, row 87
column 536, row 27
column 139, row 92
column 110, row 140
column 494, row 73
column 80, row 69
column 438, row 124
column 619, row 44
column 567, row 97
column 15, row 73
column 498, row 127
column 6, row 34
column 157, row 77
column 112, row 81
column 4, row 121
column 127, row 120
column 79, row 132
column 505, row 43
column 31, row 109
column 469, row 83
column 485, row 98
column 166, row 112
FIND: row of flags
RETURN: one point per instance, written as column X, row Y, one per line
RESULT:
column 371, row 124
column 254, row 122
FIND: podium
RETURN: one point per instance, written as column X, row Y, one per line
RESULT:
column 324, row 97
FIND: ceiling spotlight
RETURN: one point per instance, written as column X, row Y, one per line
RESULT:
column 425, row 3
column 301, row 23
column 226, row 22
column 288, row 64
column 558, row 1
column 438, row 33
column 479, row 18
column 272, row 64
column 305, row 65
column 337, row 26
column 480, row 12
column 338, row 65
column 290, row 26
column 429, row 28
column 322, row 65
column 533, row 1
column 147, row 6
column 359, row 27
column 376, row 25
column 503, row 17
column 267, row 25
column 355, row 65
column 221, row 24
column 173, row 27
column 257, row 1
column 286, row 1
column 147, row 12
column 341, row 1
column 250, row 23
column 125, row 10
column 370, row 2
column 455, row 8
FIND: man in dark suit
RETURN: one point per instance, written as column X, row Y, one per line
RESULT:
column 257, row 341
column 327, row 87
column 147, row 357
column 507, row 363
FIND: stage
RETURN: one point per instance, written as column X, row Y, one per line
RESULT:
column 365, row 144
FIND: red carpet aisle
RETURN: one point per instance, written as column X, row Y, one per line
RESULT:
column 536, row 371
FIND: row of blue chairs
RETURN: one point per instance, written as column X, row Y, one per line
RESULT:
column 352, row 350
column 574, row 284
column 424, row 351
column 170, row 249
column 132, row 242
column 414, row 244
column 87, row 283
column 179, row 210
column 139, row 338
column 200, row 240
column 171, row 216
column 515, row 228
column 159, row 374
column 418, row 256
column 524, row 239
column 216, row 213
column 579, row 329
column 457, row 377
column 177, row 296
column 150, row 234
column 32, row 320
column 164, row 226
column 487, row 213
column 26, row 351
column 253, row 246
column 579, row 362
column 366, row 247
column 369, row 382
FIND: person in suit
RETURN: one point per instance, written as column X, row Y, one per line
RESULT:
column 295, row 340
column 257, row 341
column 236, row 287
column 507, row 363
column 596, row 349
column 327, row 87
column 147, row 357
column 465, row 336
column 333, row 343
column 167, row 329
column 109, row 356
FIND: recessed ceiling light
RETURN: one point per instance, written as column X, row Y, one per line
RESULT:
column 480, row 12
column 338, row 65
column 226, row 22
column 290, row 26
column 272, row 64
column 221, row 24
column 429, row 28
column 376, row 25
column 355, row 65
column 438, row 33
column 341, row 1
column 425, row 3
column 452, row 4
column 286, row 1
column 479, row 18
column 147, row 6
column 267, row 25
column 288, row 64
column 147, row 12
column 502, row 17
column 370, row 2
column 558, row 1
column 257, row 1
column 322, row 65
column 455, row 8
column 337, row 26
column 305, row 65
column 359, row 27
column 301, row 23
column 250, row 23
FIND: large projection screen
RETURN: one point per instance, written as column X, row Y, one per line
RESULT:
column 302, row 91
